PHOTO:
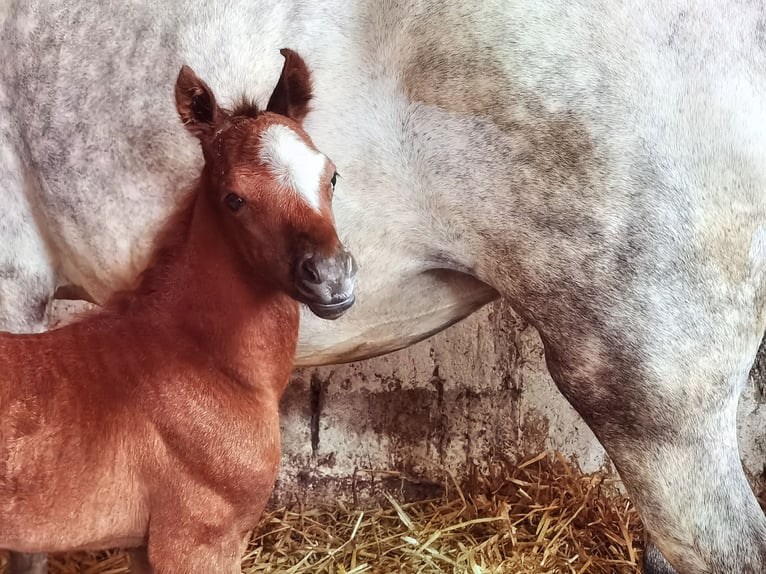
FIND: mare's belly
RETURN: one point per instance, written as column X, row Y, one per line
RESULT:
column 398, row 312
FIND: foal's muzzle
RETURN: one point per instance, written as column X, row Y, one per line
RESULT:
column 326, row 284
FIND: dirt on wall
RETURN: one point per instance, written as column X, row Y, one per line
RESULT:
column 474, row 395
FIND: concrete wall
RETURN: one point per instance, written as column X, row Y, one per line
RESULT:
column 474, row 394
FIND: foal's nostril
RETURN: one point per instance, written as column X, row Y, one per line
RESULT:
column 351, row 267
column 310, row 272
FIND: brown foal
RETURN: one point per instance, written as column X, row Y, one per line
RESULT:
column 154, row 422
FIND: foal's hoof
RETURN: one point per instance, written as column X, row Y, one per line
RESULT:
column 655, row 563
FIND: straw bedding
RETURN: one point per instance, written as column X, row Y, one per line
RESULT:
column 541, row 516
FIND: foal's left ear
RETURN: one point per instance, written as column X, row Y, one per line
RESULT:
column 196, row 104
column 293, row 92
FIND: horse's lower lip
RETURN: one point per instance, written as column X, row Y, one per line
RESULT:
column 331, row 310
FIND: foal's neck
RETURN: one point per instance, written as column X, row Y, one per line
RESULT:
column 206, row 295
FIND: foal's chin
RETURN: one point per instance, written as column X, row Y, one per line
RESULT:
column 331, row 311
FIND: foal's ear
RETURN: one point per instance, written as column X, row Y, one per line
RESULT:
column 293, row 92
column 196, row 104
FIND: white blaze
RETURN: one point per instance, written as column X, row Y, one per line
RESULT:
column 294, row 163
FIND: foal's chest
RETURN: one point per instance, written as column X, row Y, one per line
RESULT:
column 228, row 439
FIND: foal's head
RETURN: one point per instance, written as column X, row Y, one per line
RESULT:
column 272, row 189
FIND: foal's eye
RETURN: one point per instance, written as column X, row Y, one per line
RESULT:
column 234, row 202
column 334, row 179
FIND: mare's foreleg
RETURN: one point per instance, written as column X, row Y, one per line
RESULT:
column 664, row 405
column 654, row 562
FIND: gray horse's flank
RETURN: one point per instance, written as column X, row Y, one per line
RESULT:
column 601, row 165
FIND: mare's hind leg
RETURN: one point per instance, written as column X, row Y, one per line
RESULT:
column 27, row 278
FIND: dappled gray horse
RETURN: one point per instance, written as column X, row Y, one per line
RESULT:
column 600, row 164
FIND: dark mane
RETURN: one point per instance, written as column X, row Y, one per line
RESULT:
column 167, row 242
column 171, row 237
column 245, row 108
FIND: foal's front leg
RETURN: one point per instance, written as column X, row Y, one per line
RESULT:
column 184, row 544
column 139, row 560
column 27, row 563
column 187, row 553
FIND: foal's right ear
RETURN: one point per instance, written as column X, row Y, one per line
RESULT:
column 293, row 92
column 196, row 104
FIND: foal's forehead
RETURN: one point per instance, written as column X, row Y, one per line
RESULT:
column 291, row 160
